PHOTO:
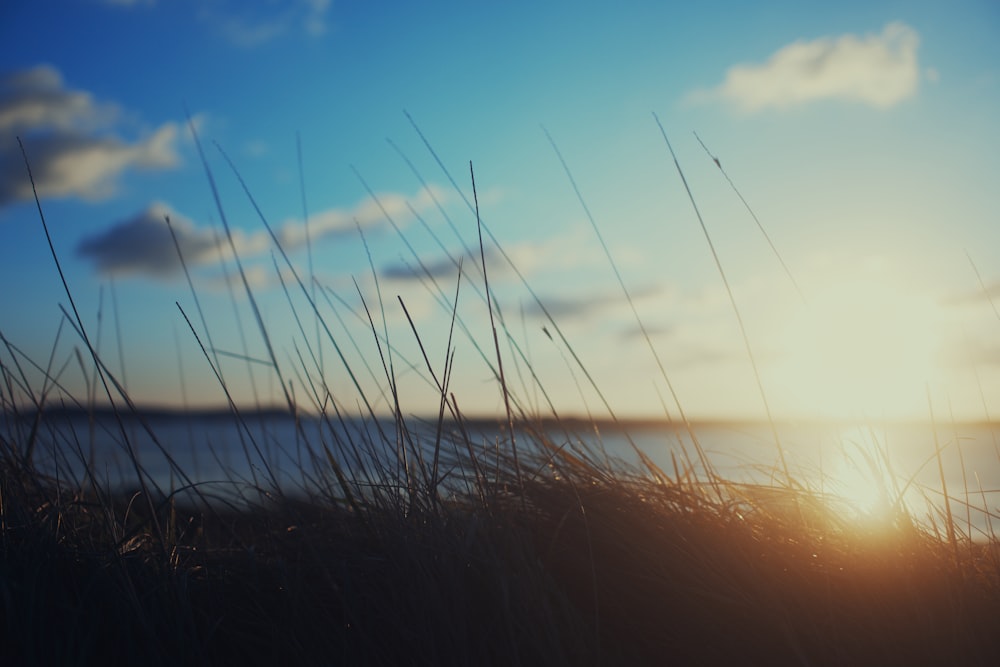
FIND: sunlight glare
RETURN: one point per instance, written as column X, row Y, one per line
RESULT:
column 858, row 477
column 861, row 348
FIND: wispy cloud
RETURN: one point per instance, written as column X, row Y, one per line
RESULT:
column 635, row 333
column 247, row 25
column 556, row 255
column 128, row 3
column 987, row 294
column 69, row 140
column 879, row 70
column 573, row 307
column 141, row 244
column 369, row 211
column 439, row 267
column 969, row 350
column 590, row 304
column 443, row 268
column 258, row 277
column 314, row 21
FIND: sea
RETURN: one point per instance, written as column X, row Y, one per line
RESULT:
column 935, row 469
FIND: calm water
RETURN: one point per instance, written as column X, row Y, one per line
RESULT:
column 851, row 462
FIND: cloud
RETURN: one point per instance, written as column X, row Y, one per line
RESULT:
column 555, row 256
column 443, row 267
column 291, row 232
column 248, row 26
column 586, row 306
column 563, row 252
column 141, row 244
column 987, row 295
column 437, row 269
column 256, row 148
column 128, row 3
column 877, row 70
column 35, row 98
column 972, row 353
column 633, row 332
column 65, row 134
column 567, row 307
column 528, row 257
column 314, row 21
column 258, row 277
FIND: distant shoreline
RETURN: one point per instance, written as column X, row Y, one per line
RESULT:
column 159, row 412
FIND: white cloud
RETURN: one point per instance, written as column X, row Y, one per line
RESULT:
column 67, row 137
column 292, row 232
column 250, row 26
column 571, row 250
column 878, row 70
column 36, row 98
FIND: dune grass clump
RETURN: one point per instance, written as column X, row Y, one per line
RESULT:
column 580, row 565
column 428, row 543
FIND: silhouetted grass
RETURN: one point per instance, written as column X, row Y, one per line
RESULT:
column 421, row 543
column 578, row 565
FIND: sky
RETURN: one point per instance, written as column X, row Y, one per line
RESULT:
column 841, row 257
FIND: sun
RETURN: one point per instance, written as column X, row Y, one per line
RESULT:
column 858, row 475
column 860, row 348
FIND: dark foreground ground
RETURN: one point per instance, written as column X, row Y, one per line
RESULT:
column 570, row 565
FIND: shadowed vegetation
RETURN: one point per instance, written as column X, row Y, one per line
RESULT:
column 579, row 565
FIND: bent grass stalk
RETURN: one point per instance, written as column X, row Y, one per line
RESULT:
column 949, row 519
column 706, row 465
column 736, row 311
column 529, row 289
column 760, row 225
column 496, row 341
column 77, row 323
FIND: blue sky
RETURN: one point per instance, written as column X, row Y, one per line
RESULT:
column 863, row 135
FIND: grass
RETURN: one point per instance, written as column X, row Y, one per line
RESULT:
column 418, row 542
